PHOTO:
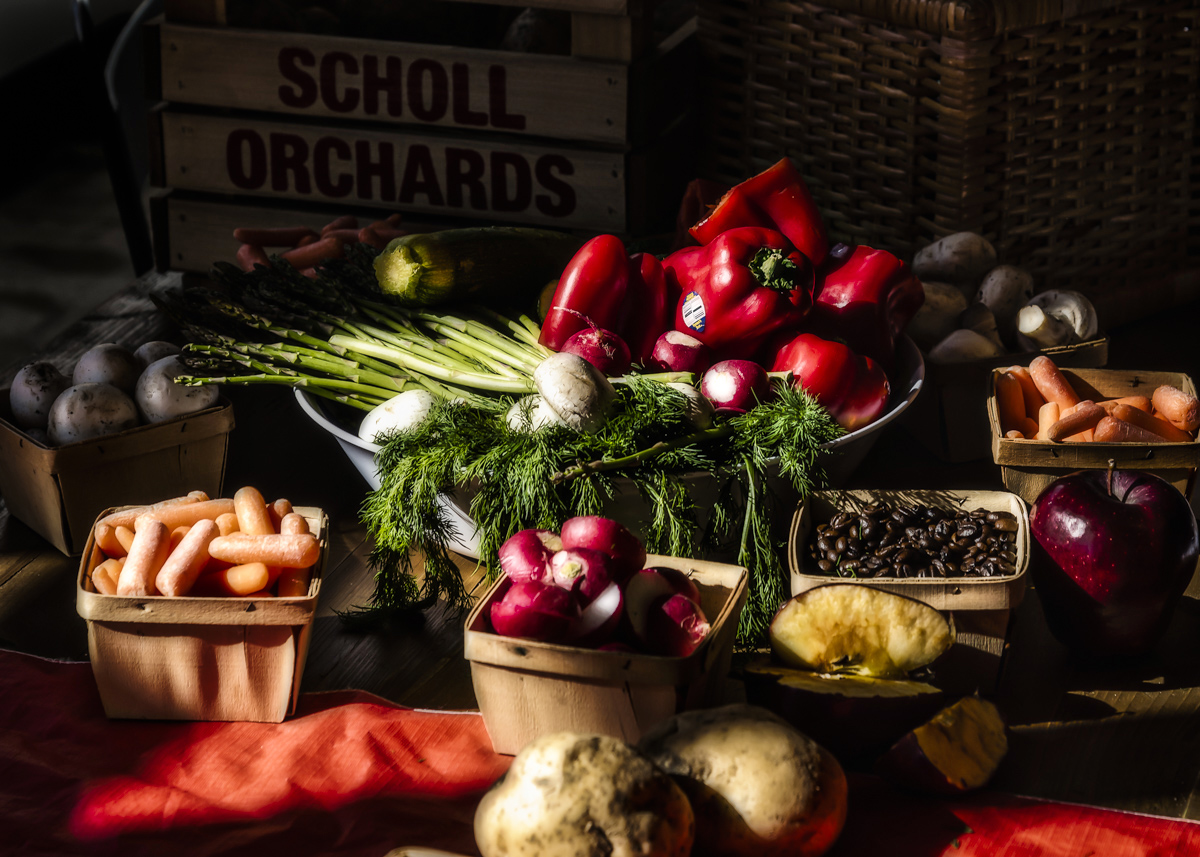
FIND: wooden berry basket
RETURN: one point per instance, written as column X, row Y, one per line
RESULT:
column 980, row 607
column 527, row 688
column 199, row 658
column 1029, row 466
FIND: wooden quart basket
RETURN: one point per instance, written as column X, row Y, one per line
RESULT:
column 980, row 607
column 526, row 688
column 194, row 658
column 1029, row 466
column 58, row 491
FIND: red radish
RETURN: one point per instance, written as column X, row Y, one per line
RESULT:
column 675, row 626
column 600, row 619
column 537, row 611
column 654, row 585
column 736, row 386
column 609, row 537
column 583, row 570
column 676, row 351
column 525, row 555
column 602, row 348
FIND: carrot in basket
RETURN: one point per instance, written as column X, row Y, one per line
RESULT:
column 1160, row 427
column 1113, row 430
column 106, row 540
column 346, row 221
column 1142, row 403
column 1047, row 416
column 1010, row 403
column 289, row 551
column 106, row 575
column 124, row 537
column 273, row 236
column 190, row 513
column 251, row 510
column 1083, row 417
column 127, row 517
column 146, row 556
column 293, row 582
column 279, row 510
column 187, row 561
column 237, row 580
column 228, row 523
column 318, row 251
column 1033, row 399
column 177, row 535
column 1177, row 407
column 1051, row 383
column 249, row 255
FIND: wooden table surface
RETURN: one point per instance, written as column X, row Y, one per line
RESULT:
column 1126, row 738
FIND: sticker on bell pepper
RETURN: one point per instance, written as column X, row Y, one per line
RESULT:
column 693, row 311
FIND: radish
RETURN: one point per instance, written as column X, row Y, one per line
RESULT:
column 602, row 348
column 525, row 555
column 652, row 586
column 679, row 352
column 675, row 626
column 537, row 611
column 600, row 619
column 586, row 571
column 736, row 386
column 609, row 537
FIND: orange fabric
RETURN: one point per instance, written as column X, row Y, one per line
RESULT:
column 352, row 775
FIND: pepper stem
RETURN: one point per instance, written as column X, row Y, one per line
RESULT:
column 774, row 270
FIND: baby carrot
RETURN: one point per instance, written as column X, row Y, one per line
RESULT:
column 289, row 551
column 1014, row 434
column 126, row 517
column 1010, row 403
column 1160, row 427
column 346, row 221
column 228, row 523
column 1142, row 403
column 1047, row 416
column 1177, row 407
column 1081, row 418
column 146, row 556
column 186, row 562
column 250, row 255
column 318, row 251
column 238, row 580
column 105, row 576
column 1033, row 399
column 186, row 514
column 293, row 582
column 124, row 537
column 294, row 524
column 106, row 540
column 1113, row 430
column 279, row 510
column 1051, row 383
column 251, row 510
column 177, row 535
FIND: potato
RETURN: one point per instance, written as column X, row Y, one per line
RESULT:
column 159, row 398
column 1004, row 290
column 944, row 303
column 960, row 259
column 579, row 795
column 963, row 346
column 757, row 786
column 90, row 410
column 33, row 391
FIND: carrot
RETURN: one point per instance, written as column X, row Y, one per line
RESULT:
column 289, row 551
column 309, row 272
column 106, row 540
column 177, row 535
column 279, row 510
column 177, row 516
column 1142, row 403
column 146, row 556
column 183, row 566
column 1029, row 428
column 293, row 582
column 106, row 574
column 251, row 510
column 238, row 580
column 1010, row 404
column 1047, row 416
column 228, row 523
column 273, row 236
column 124, row 537
column 349, row 236
column 1083, row 417
column 1113, row 430
column 1033, row 399
column 318, row 251
column 1159, row 426
column 308, row 239
column 126, row 517
column 249, row 255
column 1014, row 434
column 1051, row 383
column 294, row 524
column 346, row 221
column 1180, row 409
column 369, row 235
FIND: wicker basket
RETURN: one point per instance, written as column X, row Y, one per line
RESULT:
column 1063, row 131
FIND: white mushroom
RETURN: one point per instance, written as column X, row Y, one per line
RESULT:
column 575, row 390
column 962, row 346
column 1056, row 317
column 1004, row 290
column 531, row 413
column 698, row 410
column 402, row 412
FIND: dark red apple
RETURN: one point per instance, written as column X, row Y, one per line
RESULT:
column 1113, row 551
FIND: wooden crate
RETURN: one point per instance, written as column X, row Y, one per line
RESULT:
column 193, row 658
column 949, row 418
column 980, row 607
column 58, row 491
column 1029, row 466
column 527, row 688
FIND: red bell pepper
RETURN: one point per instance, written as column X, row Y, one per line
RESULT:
column 741, row 288
column 866, row 299
column 776, row 198
column 853, row 388
column 601, row 285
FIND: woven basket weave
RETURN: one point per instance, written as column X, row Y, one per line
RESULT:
column 1067, row 133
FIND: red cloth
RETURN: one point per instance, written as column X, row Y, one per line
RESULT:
column 355, row 776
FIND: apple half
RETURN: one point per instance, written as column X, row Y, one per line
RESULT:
column 855, row 717
column 850, row 628
column 957, row 751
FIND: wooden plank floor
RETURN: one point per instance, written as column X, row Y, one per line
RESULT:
column 1127, row 738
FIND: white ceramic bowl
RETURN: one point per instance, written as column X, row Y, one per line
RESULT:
column 841, row 457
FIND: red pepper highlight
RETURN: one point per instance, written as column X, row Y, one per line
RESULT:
column 866, row 300
column 776, row 198
column 744, row 286
column 853, row 388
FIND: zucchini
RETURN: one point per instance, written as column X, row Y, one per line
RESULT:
column 494, row 264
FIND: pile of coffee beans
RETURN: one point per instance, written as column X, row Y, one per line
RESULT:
column 905, row 541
